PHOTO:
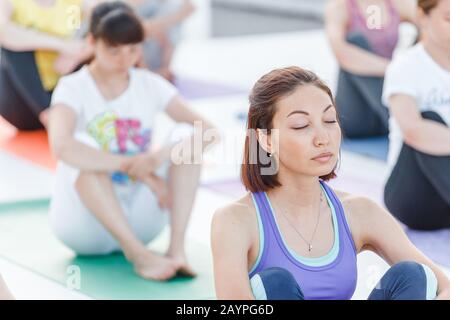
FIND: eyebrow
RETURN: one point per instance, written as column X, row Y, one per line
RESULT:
column 306, row 113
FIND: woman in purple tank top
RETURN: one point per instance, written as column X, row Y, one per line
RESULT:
column 363, row 35
column 292, row 236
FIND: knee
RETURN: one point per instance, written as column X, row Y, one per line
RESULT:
column 410, row 269
column 431, row 115
column 275, row 284
column 86, row 177
column 417, row 275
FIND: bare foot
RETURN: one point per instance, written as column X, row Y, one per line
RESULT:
column 183, row 267
column 151, row 266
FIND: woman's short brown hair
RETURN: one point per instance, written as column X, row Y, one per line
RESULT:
column 427, row 5
column 265, row 94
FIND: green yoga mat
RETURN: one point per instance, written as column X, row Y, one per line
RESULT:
column 26, row 239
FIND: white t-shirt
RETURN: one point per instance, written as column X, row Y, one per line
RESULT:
column 123, row 125
column 416, row 74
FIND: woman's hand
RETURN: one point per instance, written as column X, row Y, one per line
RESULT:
column 73, row 53
column 143, row 165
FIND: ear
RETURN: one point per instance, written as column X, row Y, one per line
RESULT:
column 421, row 17
column 264, row 140
column 90, row 40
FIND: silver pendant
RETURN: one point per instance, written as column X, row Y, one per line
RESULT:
column 310, row 248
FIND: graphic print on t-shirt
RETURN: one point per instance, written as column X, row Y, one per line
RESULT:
column 119, row 135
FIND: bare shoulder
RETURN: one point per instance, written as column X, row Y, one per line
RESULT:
column 356, row 205
column 336, row 15
column 239, row 214
column 336, row 7
column 406, row 9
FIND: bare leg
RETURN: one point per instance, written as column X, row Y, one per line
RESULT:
column 183, row 184
column 97, row 194
column 159, row 187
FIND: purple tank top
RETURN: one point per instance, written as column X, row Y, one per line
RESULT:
column 382, row 40
column 335, row 280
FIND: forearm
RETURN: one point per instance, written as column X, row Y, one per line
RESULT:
column 430, row 137
column 84, row 157
column 16, row 38
column 361, row 62
column 155, row 25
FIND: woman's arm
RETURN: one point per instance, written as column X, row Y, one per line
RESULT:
column 382, row 234
column 62, row 121
column 155, row 25
column 17, row 38
column 421, row 134
column 206, row 135
column 407, row 10
column 5, row 294
column 230, row 243
column 350, row 57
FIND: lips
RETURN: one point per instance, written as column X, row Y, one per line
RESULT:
column 325, row 156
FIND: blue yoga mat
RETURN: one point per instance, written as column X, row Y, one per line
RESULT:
column 374, row 147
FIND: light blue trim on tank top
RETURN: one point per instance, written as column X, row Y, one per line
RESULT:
column 261, row 236
column 312, row 262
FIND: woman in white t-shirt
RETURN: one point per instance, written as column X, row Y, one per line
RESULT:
column 417, row 90
column 112, row 191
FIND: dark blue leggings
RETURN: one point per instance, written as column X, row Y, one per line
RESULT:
column 403, row 281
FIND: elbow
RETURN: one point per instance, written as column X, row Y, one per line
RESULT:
column 344, row 60
column 410, row 135
column 59, row 149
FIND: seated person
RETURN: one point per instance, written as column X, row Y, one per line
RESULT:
column 114, row 190
column 417, row 91
column 292, row 236
column 162, row 23
column 364, row 47
column 38, row 45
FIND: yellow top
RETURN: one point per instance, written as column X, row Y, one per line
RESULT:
column 62, row 19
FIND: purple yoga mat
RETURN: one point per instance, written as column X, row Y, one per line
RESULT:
column 434, row 244
column 351, row 184
column 195, row 89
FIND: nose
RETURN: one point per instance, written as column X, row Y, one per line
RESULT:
column 321, row 137
column 126, row 55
